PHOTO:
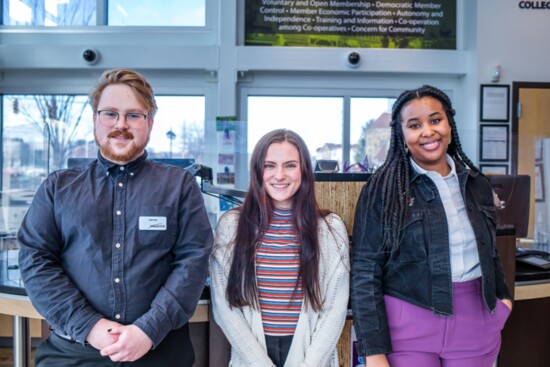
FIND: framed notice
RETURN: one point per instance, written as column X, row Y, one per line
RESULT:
column 494, row 140
column 495, row 103
column 538, row 150
column 539, row 182
column 493, row 169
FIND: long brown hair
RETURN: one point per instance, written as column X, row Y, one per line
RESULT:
column 391, row 182
column 255, row 216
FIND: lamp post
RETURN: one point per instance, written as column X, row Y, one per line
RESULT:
column 171, row 136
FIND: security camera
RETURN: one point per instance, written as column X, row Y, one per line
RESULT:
column 90, row 55
column 353, row 59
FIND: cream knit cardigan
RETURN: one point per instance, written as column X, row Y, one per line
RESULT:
column 316, row 334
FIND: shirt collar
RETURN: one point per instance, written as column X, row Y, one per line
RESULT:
column 421, row 170
column 111, row 168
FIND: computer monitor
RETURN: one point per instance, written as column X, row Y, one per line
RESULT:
column 514, row 192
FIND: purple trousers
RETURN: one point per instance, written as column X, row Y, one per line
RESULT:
column 469, row 338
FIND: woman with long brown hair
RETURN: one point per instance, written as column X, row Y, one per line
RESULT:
column 280, row 265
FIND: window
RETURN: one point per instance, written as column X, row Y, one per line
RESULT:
column 178, row 130
column 30, row 122
column 42, row 131
column 156, row 13
column 49, row 12
column 370, row 130
column 188, row 13
column 321, row 122
column 318, row 120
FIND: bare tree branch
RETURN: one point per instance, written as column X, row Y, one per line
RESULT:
column 62, row 117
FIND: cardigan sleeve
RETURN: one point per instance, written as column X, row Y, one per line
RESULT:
column 232, row 321
column 335, row 281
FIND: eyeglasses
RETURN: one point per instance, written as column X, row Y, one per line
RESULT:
column 110, row 118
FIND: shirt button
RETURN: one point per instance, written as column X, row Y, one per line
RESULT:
column 131, row 173
column 118, row 212
column 120, row 184
column 117, row 316
column 122, row 168
column 117, row 245
column 117, row 280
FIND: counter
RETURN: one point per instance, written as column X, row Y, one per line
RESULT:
column 526, row 334
column 14, row 302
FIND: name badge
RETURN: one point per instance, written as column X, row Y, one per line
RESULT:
column 152, row 223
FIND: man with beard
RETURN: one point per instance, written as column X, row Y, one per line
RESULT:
column 114, row 255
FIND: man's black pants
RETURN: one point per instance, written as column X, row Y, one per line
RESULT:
column 176, row 350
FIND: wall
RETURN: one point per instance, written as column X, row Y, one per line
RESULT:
column 517, row 40
column 514, row 38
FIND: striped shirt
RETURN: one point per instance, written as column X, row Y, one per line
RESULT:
column 277, row 266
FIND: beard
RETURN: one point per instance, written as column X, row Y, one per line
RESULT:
column 130, row 153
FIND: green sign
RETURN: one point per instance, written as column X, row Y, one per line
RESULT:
column 351, row 23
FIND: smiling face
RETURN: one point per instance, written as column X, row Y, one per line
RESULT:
column 427, row 133
column 121, row 143
column 282, row 173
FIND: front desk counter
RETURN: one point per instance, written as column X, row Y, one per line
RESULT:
column 526, row 335
column 15, row 303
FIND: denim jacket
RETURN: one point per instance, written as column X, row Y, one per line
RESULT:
column 419, row 271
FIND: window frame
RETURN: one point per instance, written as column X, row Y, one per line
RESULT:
column 344, row 93
column 66, row 85
column 104, row 34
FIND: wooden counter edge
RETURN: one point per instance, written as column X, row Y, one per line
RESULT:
column 531, row 291
column 18, row 306
column 21, row 306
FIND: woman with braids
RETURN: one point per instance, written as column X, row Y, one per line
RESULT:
column 280, row 265
column 428, row 286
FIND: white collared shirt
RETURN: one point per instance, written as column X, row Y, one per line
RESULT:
column 462, row 241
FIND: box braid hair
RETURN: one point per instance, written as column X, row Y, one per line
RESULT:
column 391, row 181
